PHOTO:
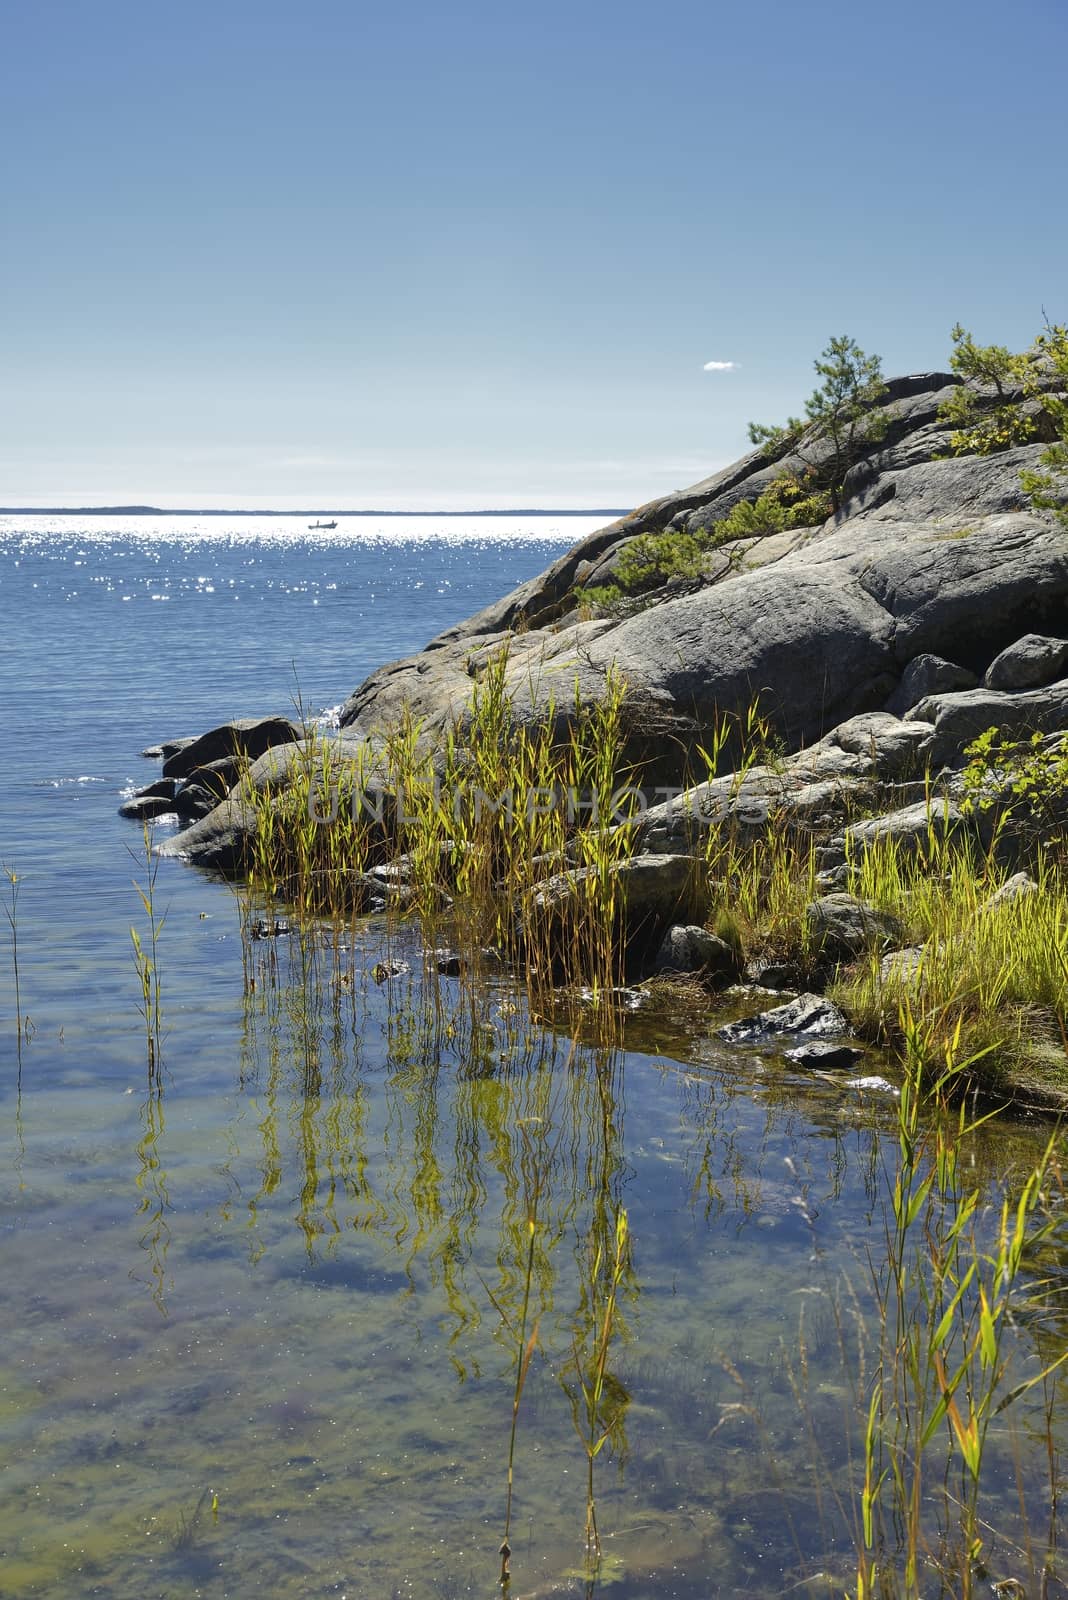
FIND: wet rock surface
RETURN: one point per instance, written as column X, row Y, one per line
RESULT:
column 825, row 1054
column 809, row 1017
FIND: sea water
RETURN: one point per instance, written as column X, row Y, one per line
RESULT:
column 263, row 1300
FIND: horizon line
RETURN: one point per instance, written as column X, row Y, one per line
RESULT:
column 251, row 511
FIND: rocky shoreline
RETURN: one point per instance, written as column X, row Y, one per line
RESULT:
column 878, row 646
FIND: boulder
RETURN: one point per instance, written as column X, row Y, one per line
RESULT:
column 193, row 800
column 167, row 748
column 901, row 966
column 687, row 947
column 144, row 807
column 926, row 675
column 812, row 1016
column 221, row 840
column 773, row 974
column 841, row 926
column 812, row 788
column 957, row 719
column 912, row 828
column 1018, row 887
column 154, row 800
column 1030, row 663
column 162, row 787
column 650, row 891
column 248, row 737
column 217, row 777
column 824, row 1054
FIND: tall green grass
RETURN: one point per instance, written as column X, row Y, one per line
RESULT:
column 146, row 959
column 466, row 832
column 988, row 982
column 950, row 1293
column 11, row 909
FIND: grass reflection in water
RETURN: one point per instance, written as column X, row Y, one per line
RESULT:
column 408, row 1196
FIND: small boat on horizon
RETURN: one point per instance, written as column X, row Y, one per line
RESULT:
column 313, row 525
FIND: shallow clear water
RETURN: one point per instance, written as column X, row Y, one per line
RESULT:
column 254, row 1336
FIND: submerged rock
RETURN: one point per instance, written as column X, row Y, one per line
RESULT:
column 383, row 971
column 622, row 997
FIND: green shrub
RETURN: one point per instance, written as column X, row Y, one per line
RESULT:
column 653, row 559
column 841, row 414
column 1048, row 488
column 788, row 502
column 1023, row 408
column 1026, row 780
column 982, row 428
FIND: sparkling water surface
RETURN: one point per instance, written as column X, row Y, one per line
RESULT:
column 259, row 1309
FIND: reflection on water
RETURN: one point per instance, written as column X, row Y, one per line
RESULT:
column 264, row 1310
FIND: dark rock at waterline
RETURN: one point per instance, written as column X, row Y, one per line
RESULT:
column 167, row 748
column 145, row 807
column 217, row 777
column 163, row 787
column 454, row 963
column 154, row 800
column 222, row 840
column 825, row 1054
column 249, row 737
column 268, row 928
column 841, row 926
column 193, row 801
column 812, row 1016
column 1030, row 663
column 687, row 947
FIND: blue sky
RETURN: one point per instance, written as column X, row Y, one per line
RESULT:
column 334, row 254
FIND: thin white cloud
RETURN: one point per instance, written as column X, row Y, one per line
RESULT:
column 721, row 366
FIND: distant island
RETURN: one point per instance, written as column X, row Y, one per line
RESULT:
column 212, row 511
